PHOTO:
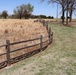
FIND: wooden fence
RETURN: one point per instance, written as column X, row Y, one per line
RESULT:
column 8, row 52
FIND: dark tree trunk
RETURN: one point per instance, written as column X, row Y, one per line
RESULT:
column 67, row 17
column 5, row 17
column 70, row 15
column 67, row 13
column 71, row 11
column 20, row 16
column 63, row 12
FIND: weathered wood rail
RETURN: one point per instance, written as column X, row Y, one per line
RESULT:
column 8, row 52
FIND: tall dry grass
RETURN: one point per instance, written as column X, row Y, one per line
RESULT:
column 18, row 30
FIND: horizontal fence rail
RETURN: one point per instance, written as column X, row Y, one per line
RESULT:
column 23, row 48
column 42, row 45
column 24, row 41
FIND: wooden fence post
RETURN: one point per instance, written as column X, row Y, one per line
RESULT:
column 8, row 51
column 40, row 42
column 47, row 27
column 49, row 35
column 43, row 22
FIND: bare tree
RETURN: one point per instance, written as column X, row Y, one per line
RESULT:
column 61, row 3
column 68, row 6
column 4, row 14
column 72, row 7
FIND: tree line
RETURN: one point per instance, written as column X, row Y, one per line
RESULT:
column 23, row 11
column 43, row 16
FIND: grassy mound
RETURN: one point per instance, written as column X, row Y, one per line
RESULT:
column 18, row 30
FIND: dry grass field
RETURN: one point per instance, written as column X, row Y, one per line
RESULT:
column 18, row 30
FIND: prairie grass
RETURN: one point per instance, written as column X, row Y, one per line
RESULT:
column 16, row 30
column 20, row 30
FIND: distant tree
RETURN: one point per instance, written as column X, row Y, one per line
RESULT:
column 43, row 16
column 4, row 14
column 28, row 9
column 18, row 11
column 50, row 17
column 23, row 10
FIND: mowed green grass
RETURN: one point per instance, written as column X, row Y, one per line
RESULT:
column 58, row 59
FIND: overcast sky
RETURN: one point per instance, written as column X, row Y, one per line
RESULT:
column 39, row 8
